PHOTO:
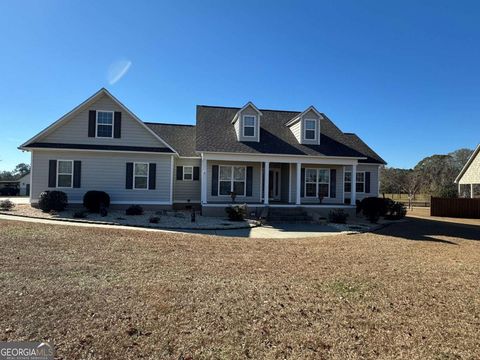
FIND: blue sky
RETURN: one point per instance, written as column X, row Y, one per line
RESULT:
column 403, row 75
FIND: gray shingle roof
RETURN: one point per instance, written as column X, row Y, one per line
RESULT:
column 180, row 137
column 216, row 133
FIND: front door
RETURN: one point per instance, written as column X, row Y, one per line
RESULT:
column 274, row 184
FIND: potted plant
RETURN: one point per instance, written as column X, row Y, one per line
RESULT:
column 233, row 195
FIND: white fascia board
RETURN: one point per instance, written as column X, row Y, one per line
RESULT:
column 299, row 116
column 235, row 118
column 104, row 151
column 466, row 166
column 281, row 158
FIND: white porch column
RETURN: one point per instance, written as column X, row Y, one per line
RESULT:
column 299, row 181
column 459, row 191
column 203, row 188
column 471, row 191
column 353, row 192
column 265, row 185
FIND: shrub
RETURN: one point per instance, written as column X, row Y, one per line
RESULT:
column 373, row 207
column 338, row 216
column 154, row 219
column 94, row 200
column 53, row 200
column 396, row 211
column 6, row 205
column 134, row 210
column 236, row 213
column 79, row 214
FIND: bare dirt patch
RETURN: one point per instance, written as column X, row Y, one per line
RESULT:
column 410, row 291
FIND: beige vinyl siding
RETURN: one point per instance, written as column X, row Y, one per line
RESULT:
column 297, row 130
column 184, row 190
column 472, row 175
column 226, row 198
column 75, row 129
column 338, row 199
column 105, row 171
column 373, row 169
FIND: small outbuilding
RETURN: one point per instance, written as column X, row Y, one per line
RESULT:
column 469, row 178
column 24, row 184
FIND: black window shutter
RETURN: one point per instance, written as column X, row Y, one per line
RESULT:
column 367, row 182
column 249, row 180
column 77, row 173
column 129, row 176
column 92, row 119
column 179, row 172
column 333, row 183
column 152, row 176
column 215, row 180
column 302, row 185
column 52, row 173
column 196, row 173
column 117, row 124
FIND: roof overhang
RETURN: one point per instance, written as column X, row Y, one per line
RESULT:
column 299, row 116
column 249, row 104
column 466, row 166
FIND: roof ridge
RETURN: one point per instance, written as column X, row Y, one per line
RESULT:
column 238, row 108
column 170, row 124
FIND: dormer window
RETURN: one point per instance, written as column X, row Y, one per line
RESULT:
column 249, row 125
column 310, row 132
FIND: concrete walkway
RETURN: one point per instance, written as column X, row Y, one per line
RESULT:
column 268, row 232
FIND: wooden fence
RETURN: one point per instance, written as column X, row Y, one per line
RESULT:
column 461, row 208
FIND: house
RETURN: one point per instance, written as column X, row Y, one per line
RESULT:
column 470, row 174
column 270, row 158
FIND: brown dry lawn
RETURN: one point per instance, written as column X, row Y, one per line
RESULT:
column 410, row 291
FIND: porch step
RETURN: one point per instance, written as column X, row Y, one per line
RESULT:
column 293, row 215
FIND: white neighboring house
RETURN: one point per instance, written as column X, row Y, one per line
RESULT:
column 470, row 174
column 24, row 184
column 271, row 158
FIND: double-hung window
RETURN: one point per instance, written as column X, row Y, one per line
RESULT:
column 140, row 175
column 360, row 182
column 249, row 124
column 360, row 187
column 105, row 124
column 317, row 183
column 188, row 173
column 64, row 173
column 232, row 179
column 348, row 181
column 310, row 129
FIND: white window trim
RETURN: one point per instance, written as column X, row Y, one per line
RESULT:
column 305, row 129
column 316, row 183
column 356, row 182
column 232, row 179
column 135, row 176
column 183, row 173
column 96, row 124
column 58, row 173
column 254, row 126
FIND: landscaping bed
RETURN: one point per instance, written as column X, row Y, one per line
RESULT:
column 167, row 219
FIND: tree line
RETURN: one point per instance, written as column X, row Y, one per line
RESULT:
column 434, row 176
column 19, row 171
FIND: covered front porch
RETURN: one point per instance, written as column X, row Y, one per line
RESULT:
column 277, row 181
